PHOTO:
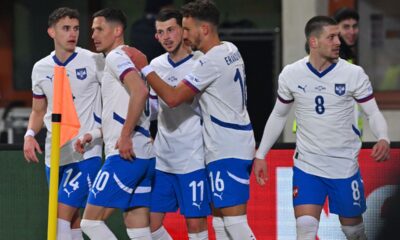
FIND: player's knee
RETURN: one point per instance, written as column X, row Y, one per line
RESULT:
column 356, row 232
column 238, row 228
column 195, row 225
column 306, row 227
column 96, row 230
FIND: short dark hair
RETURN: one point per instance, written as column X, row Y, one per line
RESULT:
column 346, row 13
column 203, row 10
column 60, row 13
column 167, row 14
column 112, row 15
column 315, row 25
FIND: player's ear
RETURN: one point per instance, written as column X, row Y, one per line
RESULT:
column 156, row 36
column 312, row 42
column 51, row 32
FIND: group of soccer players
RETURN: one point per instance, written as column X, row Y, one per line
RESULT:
column 202, row 156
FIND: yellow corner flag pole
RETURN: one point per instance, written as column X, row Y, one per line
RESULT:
column 59, row 73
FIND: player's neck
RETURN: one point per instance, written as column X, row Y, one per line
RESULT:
column 63, row 55
column 182, row 52
column 118, row 42
column 209, row 43
column 321, row 63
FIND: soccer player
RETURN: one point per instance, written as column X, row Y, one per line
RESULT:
column 83, row 67
column 181, row 179
column 124, row 181
column 218, row 78
column 325, row 160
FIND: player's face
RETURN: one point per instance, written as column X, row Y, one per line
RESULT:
column 191, row 33
column 169, row 34
column 65, row 34
column 328, row 43
column 103, row 34
column 349, row 31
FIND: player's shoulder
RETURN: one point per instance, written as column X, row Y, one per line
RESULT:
column 345, row 65
column 85, row 53
column 44, row 62
column 160, row 60
column 299, row 65
column 196, row 55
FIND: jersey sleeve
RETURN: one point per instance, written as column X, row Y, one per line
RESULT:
column 284, row 93
column 203, row 74
column 363, row 90
column 36, row 88
column 120, row 64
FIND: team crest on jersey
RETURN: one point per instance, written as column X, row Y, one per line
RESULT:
column 340, row 89
column 81, row 73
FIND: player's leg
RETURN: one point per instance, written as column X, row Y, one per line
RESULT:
column 163, row 200
column 76, row 231
column 137, row 216
column 193, row 196
column 229, row 183
column 347, row 199
column 112, row 188
column 309, row 194
column 158, row 232
column 218, row 224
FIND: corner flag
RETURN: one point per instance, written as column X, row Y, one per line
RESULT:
column 65, row 126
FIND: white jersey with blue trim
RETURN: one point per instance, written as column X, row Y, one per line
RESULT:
column 219, row 78
column 328, row 140
column 115, row 107
column 179, row 142
column 84, row 70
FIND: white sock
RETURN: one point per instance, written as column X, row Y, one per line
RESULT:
column 306, row 227
column 238, row 228
column 63, row 229
column 139, row 233
column 97, row 230
column 219, row 228
column 356, row 232
column 76, row 234
column 199, row 236
column 161, row 234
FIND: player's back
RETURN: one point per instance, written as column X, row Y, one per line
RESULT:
column 115, row 107
column 84, row 69
column 219, row 76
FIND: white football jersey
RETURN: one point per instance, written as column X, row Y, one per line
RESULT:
column 84, row 69
column 115, row 107
column 219, row 78
column 179, row 142
column 328, row 140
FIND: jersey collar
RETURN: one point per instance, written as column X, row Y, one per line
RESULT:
column 176, row 64
column 323, row 73
column 59, row 63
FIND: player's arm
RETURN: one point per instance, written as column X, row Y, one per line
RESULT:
column 273, row 128
column 378, row 125
column 171, row 96
column 138, row 95
column 39, row 107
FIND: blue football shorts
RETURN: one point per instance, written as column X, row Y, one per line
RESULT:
column 188, row 192
column 346, row 196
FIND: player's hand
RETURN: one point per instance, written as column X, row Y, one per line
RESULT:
column 30, row 148
column 79, row 145
column 137, row 57
column 260, row 171
column 124, row 145
column 381, row 151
